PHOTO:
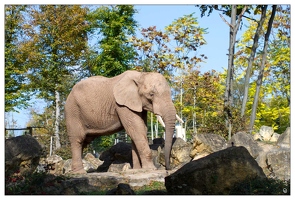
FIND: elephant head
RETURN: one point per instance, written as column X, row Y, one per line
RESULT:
column 148, row 91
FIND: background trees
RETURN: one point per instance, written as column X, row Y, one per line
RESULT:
column 54, row 42
column 15, row 80
column 49, row 48
column 112, row 52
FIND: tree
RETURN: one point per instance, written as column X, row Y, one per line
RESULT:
column 228, row 98
column 262, row 66
column 113, row 53
column 273, row 101
column 15, row 80
column 56, row 38
column 252, row 56
column 171, row 50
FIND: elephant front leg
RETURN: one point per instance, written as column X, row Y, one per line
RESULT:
column 135, row 157
column 135, row 127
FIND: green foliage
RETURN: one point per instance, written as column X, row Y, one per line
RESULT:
column 172, row 49
column 55, row 42
column 115, row 53
column 15, row 91
column 102, row 143
column 225, row 9
column 64, row 152
column 274, row 99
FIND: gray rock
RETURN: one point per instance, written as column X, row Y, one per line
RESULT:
column 246, row 140
column 204, row 144
column 285, row 139
column 90, row 164
column 278, row 163
column 121, row 167
column 274, row 137
column 274, row 160
column 53, row 159
column 179, row 153
column 265, row 133
column 214, row 174
column 22, row 154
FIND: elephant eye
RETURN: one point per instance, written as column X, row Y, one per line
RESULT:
column 151, row 95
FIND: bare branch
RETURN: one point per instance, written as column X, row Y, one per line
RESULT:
column 225, row 21
column 240, row 18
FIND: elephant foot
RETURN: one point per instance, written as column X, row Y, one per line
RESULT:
column 79, row 171
column 149, row 166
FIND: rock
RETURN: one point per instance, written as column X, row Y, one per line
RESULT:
column 76, row 186
column 55, row 164
column 22, row 154
column 256, row 136
column 274, row 137
column 214, row 174
column 274, row 161
column 93, row 160
column 122, row 189
column 204, row 144
column 265, row 133
column 246, row 140
column 67, row 167
column 179, row 153
column 90, row 164
column 285, row 139
column 53, row 159
column 261, row 158
column 121, row 167
column 278, row 163
column 121, row 153
column 159, row 141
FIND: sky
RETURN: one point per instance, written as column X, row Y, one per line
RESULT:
column 163, row 15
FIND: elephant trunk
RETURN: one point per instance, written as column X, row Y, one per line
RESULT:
column 169, row 118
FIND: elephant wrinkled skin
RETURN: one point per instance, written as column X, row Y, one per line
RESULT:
column 100, row 106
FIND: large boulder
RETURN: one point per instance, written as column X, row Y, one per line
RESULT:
column 278, row 164
column 214, row 174
column 246, row 140
column 205, row 144
column 22, row 154
column 275, row 161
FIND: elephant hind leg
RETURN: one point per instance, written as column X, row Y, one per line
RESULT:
column 76, row 148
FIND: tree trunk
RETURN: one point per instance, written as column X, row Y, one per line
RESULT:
column 229, row 77
column 260, row 76
column 57, row 118
column 228, row 98
column 251, row 58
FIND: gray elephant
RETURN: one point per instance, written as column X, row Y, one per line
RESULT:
column 100, row 106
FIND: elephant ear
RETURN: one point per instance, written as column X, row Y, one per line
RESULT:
column 126, row 91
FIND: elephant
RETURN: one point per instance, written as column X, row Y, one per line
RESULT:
column 99, row 106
